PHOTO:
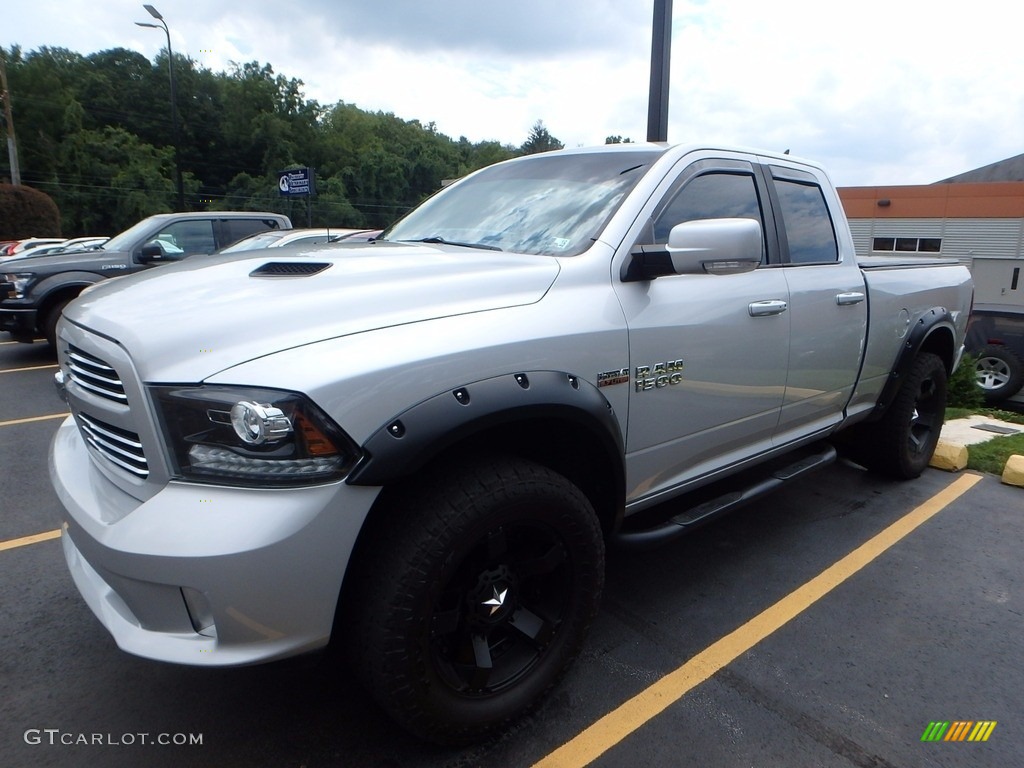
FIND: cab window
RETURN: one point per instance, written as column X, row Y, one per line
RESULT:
column 236, row 229
column 808, row 225
column 711, row 196
column 188, row 237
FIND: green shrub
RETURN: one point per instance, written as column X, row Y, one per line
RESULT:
column 27, row 212
column 963, row 391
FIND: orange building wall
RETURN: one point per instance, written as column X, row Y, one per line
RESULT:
column 995, row 200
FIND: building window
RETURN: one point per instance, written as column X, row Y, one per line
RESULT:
column 907, row 244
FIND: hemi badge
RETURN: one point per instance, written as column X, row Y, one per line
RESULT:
column 608, row 378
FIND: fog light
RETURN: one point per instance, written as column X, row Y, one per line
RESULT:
column 199, row 612
column 256, row 423
column 61, row 385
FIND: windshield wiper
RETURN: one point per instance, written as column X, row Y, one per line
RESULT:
column 442, row 241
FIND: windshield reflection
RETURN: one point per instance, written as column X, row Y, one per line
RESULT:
column 553, row 204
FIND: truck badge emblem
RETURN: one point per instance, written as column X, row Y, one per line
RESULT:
column 497, row 601
column 659, row 375
column 608, row 378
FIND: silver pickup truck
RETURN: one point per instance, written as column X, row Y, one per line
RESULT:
column 416, row 450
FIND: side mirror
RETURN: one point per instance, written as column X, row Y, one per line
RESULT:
column 701, row 247
column 151, row 251
column 156, row 250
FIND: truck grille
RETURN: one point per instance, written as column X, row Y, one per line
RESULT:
column 94, row 375
column 118, row 446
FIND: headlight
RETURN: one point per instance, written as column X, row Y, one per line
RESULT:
column 245, row 436
column 17, row 284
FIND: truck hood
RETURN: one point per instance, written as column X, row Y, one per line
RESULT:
column 188, row 321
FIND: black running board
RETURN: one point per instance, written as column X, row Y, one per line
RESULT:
column 755, row 487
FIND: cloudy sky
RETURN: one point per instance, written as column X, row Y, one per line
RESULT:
column 881, row 91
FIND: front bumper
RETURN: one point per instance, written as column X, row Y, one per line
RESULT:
column 20, row 322
column 206, row 575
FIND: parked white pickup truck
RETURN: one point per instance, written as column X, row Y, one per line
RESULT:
column 419, row 448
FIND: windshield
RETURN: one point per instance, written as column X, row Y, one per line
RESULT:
column 125, row 240
column 552, row 204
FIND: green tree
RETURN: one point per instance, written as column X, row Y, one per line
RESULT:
column 95, row 132
column 540, row 140
column 110, row 179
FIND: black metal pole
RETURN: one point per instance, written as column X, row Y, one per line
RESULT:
column 174, row 100
column 661, row 56
column 174, row 120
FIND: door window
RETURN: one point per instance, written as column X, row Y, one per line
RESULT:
column 187, row 237
column 711, row 196
column 236, row 229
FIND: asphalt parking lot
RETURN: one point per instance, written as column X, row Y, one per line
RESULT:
column 829, row 625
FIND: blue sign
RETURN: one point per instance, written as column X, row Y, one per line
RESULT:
column 298, row 181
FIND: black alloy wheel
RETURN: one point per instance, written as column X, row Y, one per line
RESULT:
column 902, row 443
column 472, row 595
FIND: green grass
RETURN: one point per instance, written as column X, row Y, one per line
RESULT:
column 992, row 455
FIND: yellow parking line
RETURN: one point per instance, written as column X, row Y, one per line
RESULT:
column 633, row 714
column 26, row 540
column 32, row 368
column 12, row 422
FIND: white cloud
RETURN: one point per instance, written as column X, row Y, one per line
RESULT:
column 882, row 92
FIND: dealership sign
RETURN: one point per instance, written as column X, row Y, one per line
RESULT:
column 297, row 181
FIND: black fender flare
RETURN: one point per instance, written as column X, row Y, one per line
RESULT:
column 52, row 284
column 409, row 440
column 931, row 321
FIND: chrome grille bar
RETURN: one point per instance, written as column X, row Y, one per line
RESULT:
column 118, row 446
column 94, row 375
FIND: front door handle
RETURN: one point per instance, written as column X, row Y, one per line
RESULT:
column 846, row 299
column 766, row 308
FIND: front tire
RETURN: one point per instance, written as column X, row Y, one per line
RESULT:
column 50, row 322
column 473, row 595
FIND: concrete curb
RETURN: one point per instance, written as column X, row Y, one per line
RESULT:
column 1013, row 472
column 952, row 451
column 949, row 456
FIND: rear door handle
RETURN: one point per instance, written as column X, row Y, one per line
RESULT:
column 845, row 299
column 766, row 308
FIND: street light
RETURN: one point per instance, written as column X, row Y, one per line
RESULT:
column 174, row 100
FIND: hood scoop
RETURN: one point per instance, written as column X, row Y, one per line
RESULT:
column 290, row 269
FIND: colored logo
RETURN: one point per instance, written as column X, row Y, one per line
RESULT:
column 959, row 730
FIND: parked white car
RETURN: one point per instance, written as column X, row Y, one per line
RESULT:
column 280, row 238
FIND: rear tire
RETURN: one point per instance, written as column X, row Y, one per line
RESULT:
column 999, row 372
column 473, row 595
column 902, row 442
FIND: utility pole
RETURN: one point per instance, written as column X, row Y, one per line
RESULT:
column 661, row 56
column 174, row 98
column 12, row 146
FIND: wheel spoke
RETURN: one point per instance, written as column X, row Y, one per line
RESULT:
column 482, row 659
column 532, row 626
